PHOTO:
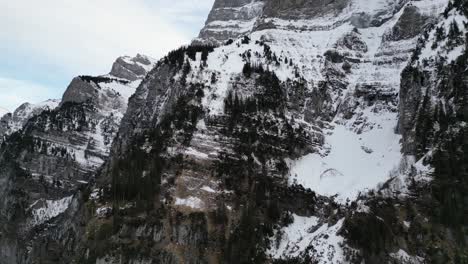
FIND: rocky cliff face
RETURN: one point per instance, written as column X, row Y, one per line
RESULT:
column 132, row 68
column 232, row 19
column 227, row 138
column 12, row 122
column 313, row 136
column 50, row 151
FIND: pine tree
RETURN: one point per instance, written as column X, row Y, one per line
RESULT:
column 247, row 70
column 455, row 36
column 440, row 34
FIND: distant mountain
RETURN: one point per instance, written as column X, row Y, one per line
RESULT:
column 15, row 121
column 58, row 145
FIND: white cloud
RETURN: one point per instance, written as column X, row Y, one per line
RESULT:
column 13, row 93
column 85, row 36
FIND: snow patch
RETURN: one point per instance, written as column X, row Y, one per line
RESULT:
column 201, row 125
column 192, row 202
column 347, row 170
column 196, row 153
column 402, row 257
column 208, row 189
column 49, row 209
column 305, row 232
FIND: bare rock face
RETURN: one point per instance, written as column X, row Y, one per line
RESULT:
column 13, row 122
column 208, row 151
column 131, row 69
column 110, row 91
column 409, row 25
column 231, row 19
column 303, row 9
column 80, row 91
column 319, row 129
column 50, row 151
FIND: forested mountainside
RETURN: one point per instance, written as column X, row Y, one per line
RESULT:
column 288, row 132
column 50, row 152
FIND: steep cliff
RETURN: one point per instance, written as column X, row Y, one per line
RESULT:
column 12, row 122
column 288, row 132
column 51, row 150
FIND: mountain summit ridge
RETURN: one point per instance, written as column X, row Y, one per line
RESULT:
column 232, row 19
column 57, row 145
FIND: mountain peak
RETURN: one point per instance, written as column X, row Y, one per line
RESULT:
column 132, row 68
column 14, row 122
column 126, row 74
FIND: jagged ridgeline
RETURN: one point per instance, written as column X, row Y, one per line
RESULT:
column 288, row 132
column 50, row 153
column 164, row 165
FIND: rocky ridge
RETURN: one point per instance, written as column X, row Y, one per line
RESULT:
column 231, row 135
column 51, row 150
column 12, row 122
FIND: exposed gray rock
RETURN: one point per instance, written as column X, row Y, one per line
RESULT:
column 410, row 24
column 132, row 68
column 44, row 167
column 353, row 41
column 204, row 153
column 303, row 9
column 411, row 94
column 80, row 91
column 13, row 122
column 230, row 19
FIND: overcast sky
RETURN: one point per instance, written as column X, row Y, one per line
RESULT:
column 44, row 44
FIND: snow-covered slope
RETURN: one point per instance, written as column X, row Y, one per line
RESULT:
column 58, row 146
column 358, row 53
column 306, row 232
column 353, row 163
column 314, row 128
column 297, row 113
column 232, row 19
column 14, row 122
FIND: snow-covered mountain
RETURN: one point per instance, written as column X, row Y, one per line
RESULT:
column 288, row 132
column 132, row 68
column 355, row 51
column 13, row 122
column 57, row 146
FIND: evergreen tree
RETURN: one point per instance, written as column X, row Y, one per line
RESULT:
column 455, row 36
column 247, row 70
